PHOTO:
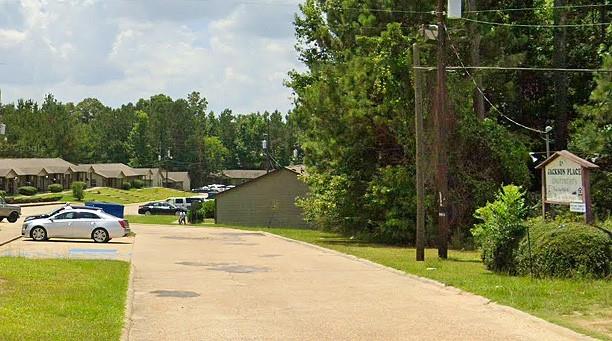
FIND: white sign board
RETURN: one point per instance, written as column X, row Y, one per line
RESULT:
column 454, row 9
column 564, row 181
column 578, row 207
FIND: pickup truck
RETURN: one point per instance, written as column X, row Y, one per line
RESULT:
column 10, row 212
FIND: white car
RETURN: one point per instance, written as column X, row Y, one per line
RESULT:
column 77, row 224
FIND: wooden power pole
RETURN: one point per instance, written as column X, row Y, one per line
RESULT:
column 441, row 141
column 420, row 186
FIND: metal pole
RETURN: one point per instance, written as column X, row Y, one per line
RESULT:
column 547, row 145
column 420, row 187
column 442, row 135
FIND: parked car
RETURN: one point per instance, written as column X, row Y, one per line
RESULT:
column 184, row 202
column 160, row 207
column 10, row 212
column 61, row 209
column 77, row 224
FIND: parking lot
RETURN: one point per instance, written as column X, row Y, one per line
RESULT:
column 116, row 249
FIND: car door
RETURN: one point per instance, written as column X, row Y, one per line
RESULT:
column 60, row 224
column 84, row 224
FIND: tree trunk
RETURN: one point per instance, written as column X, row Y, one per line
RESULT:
column 560, row 78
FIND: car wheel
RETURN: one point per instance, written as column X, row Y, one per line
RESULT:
column 38, row 234
column 147, row 213
column 100, row 235
column 13, row 217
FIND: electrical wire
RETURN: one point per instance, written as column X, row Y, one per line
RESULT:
column 454, row 48
column 495, row 23
column 537, row 8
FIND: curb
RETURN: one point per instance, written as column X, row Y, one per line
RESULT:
column 10, row 240
column 129, row 302
column 485, row 301
column 36, row 204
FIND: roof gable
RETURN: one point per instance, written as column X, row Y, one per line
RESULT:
column 564, row 153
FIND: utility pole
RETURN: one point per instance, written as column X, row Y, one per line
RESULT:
column 441, row 142
column 420, row 186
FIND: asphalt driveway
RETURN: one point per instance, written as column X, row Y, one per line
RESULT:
column 211, row 284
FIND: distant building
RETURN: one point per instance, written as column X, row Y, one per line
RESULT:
column 42, row 172
column 238, row 176
column 267, row 201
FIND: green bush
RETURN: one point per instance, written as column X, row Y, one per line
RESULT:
column 27, row 190
column 138, row 183
column 564, row 249
column 55, row 188
column 2, row 194
column 502, row 228
column 208, row 209
column 126, row 186
column 78, row 190
column 28, row 199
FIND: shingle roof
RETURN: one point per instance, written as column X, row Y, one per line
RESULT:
column 29, row 166
column 243, row 173
column 111, row 170
column 178, row 176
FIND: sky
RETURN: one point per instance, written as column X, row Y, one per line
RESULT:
column 236, row 53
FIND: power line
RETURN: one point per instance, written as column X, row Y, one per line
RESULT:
column 537, row 8
column 456, row 51
column 515, row 68
column 495, row 23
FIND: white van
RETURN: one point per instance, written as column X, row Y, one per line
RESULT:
column 184, row 202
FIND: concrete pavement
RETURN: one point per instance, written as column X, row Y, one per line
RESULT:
column 10, row 231
column 201, row 284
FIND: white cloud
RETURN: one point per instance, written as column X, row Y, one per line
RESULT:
column 237, row 55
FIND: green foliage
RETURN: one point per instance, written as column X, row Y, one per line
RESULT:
column 391, row 202
column 27, row 190
column 501, row 229
column 137, row 183
column 592, row 139
column 565, row 249
column 78, row 190
column 2, row 194
column 55, row 188
column 34, row 199
column 126, row 186
column 207, row 210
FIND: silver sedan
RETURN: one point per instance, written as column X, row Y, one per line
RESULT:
column 77, row 224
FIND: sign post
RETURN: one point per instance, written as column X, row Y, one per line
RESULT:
column 565, row 181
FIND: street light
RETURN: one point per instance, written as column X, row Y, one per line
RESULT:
column 547, row 131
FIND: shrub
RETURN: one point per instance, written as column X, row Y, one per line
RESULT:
column 78, row 190
column 27, row 190
column 138, row 183
column 208, row 209
column 55, row 188
column 126, row 186
column 26, row 200
column 2, row 194
column 564, row 249
column 501, row 230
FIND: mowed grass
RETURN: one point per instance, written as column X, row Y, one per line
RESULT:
column 128, row 197
column 58, row 299
column 157, row 219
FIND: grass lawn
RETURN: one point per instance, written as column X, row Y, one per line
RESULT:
column 157, row 219
column 580, row 304
column 56, row 299
column 128, row 197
